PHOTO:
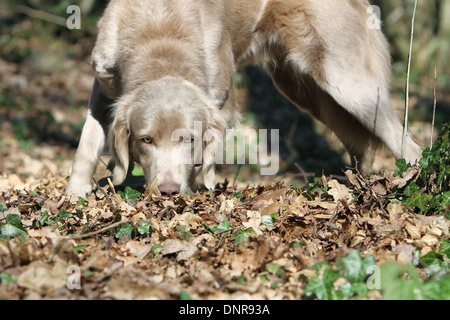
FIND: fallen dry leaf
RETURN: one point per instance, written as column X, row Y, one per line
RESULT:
column 152, row 190
column 183, row 249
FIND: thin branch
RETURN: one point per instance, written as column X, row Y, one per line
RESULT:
column 42, row 15
column 238, row 169
column 224, row 231
column 90, row 234
column 106, row 195
column 302, row 173
column 405, row 122
column 373, row 194
column 434, row 107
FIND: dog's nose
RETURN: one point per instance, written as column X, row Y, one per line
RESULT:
column 169, row 188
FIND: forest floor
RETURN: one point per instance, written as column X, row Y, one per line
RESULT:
column 253, row 237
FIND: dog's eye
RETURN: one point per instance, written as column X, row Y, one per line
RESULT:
column 188, row 140
column 147, row 140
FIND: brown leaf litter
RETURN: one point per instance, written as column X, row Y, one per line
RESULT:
column 182, row 254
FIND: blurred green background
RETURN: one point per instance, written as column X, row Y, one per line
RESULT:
column 45, row 81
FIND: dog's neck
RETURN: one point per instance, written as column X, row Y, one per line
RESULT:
column 163, row 58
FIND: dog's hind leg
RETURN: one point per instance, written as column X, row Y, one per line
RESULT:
column 344, row 69
column 302, row 90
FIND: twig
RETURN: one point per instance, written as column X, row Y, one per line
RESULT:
column 238, row 169
column 223, row 231
column 333, row 216
column 106, row 195
column 373, row 194
column 93, row 233
column 434, row 107
column 302, row 173
column 59, row 180
column 42, row 15
column 405, row 121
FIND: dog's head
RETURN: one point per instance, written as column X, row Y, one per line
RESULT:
column 166, row 127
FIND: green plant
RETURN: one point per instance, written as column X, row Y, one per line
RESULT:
column 6, row 278
column 242, row 235
column 222, row 227
column 344, row 279
column 404, row 283
column 268, row 220
column 182, row 232
column 429, row 193
column 353, row 276
column 125, row 229
column 12, row 227
column 274, row 273
column 143, row 228
column 129, row 194
column 317, row 189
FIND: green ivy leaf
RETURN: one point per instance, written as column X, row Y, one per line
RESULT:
column 63, row 214
column 267, row 220
column 13, row 227
column 418, row 200
column 400, row 283
column 354, row 266
column 44, row 218
column 316, row 287
column 444, row 248
column 154, row 248
column 184, row 295
column 144, row 228
column 125, row 230
column 276, row 269
column 429, row 258
column 445, row 201
column 237, row 195
column 322, row 287
column 242, row 235
column 224, row 225
column 129, row 194
column 81, row 204
column 402, row 166
column 6, row 278
column 438, row 290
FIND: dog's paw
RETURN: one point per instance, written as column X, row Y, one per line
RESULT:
column 77, row 188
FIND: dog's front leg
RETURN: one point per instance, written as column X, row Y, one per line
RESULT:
column 209, row 176
column 92, row 143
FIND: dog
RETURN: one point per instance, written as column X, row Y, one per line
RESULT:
column 163, row 65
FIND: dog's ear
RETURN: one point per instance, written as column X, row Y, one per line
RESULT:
column 119, row 143
column 213, row 142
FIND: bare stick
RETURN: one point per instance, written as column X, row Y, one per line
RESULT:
column 93, row 233
column 434, row 107
column 405, row 122
column 42, row 15
column 238, row 169
column 223, row 231
column 302, row 173
column 106, row 195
